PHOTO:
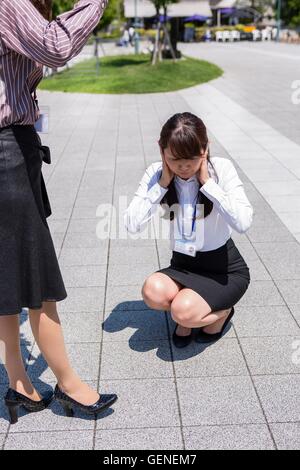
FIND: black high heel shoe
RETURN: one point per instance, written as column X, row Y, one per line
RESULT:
column 68, row 404
column 181, row 341
column 14, row 400
column 203, row 337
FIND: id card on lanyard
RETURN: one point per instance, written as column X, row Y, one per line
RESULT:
column 186, row 246
column 42, row 124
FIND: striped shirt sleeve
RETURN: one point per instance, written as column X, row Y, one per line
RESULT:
column 24, row 30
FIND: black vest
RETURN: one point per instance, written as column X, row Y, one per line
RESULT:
column 171, row 198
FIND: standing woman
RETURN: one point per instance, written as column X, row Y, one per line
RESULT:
column 29, row 272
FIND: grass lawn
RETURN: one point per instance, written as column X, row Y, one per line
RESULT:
column 132, row 74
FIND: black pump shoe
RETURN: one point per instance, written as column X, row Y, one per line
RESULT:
column 68, row 404
column 181, row 341
column 203, row 337
column 14, row 400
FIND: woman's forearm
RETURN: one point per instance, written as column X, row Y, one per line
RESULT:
column 49, row 43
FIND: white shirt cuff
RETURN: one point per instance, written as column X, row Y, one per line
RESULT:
column 156, row 193
column 211, row 188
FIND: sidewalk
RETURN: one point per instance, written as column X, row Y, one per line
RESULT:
column 242, row 392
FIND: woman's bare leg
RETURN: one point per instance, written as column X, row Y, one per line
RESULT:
column 10, row 338
column 158, row 293
column 217, row 325
column 189, row 309
column 47, row 330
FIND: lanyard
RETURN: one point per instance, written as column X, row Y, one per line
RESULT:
column 194, row 218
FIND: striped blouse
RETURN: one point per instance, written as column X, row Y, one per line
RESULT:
column 28, row 42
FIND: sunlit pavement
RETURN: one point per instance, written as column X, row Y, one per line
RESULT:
column 242, row 392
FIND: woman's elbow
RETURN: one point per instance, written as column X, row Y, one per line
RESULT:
column 243, row 225
column 54, row 61
column 57, row 55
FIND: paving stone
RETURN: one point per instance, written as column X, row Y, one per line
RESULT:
column 261, row 293
column 83, row 256
column 145, row 403
column 218, row 401
column 4, row 422
column 84, row 276
column 295, row 310
column 290, row 290
column 140, row 255
column 83, row 299
column 165, row 438
column 265, row 321
column 82, row 327
column 134, row 325
column 280, row 397
column 127, row 297
column 58, row 440
column 286, row 435
column 223, row 358
column 126, row 274
column 279, row 266
column 245, row 437
column 2, row 439
column 272, row 355
column 84, row 357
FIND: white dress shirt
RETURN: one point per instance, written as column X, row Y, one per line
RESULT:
column 231, row 207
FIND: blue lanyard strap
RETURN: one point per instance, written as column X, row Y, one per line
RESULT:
column 199, row 198
column 194, row 218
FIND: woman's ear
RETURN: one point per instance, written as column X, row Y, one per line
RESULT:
column 206, row 151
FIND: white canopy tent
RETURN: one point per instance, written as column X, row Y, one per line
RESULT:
column 185, row 8
column 224, row 4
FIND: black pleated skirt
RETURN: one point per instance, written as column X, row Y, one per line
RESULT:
column 29, row 269
column 220, row 276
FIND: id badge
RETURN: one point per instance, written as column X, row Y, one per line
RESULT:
column 42, row 124
column 185, row 247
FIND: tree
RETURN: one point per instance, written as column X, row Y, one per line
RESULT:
column 60, row 6
column 291, row 13
column 162, row 40
column 112, row 11
column 259, row 5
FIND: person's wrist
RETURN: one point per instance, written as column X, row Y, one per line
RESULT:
column 163, row 184
column 203, row 181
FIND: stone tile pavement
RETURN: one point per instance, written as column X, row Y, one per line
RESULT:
column 261, row 77
column 242, row 392
column 253, row 111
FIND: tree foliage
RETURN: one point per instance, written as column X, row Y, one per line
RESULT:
column 113, row 10
column 291, row 12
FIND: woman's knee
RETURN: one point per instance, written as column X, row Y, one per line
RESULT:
column 156, row 292
column 187, row 305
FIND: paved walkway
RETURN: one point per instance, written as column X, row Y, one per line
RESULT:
column 251, row 111
column 260, row 77
column 242, row 392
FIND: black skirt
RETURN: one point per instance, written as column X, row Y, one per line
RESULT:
column 29, row 270
column 220, row 276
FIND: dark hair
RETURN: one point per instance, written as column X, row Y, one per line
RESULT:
column 44, row 7
column 186, row 136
